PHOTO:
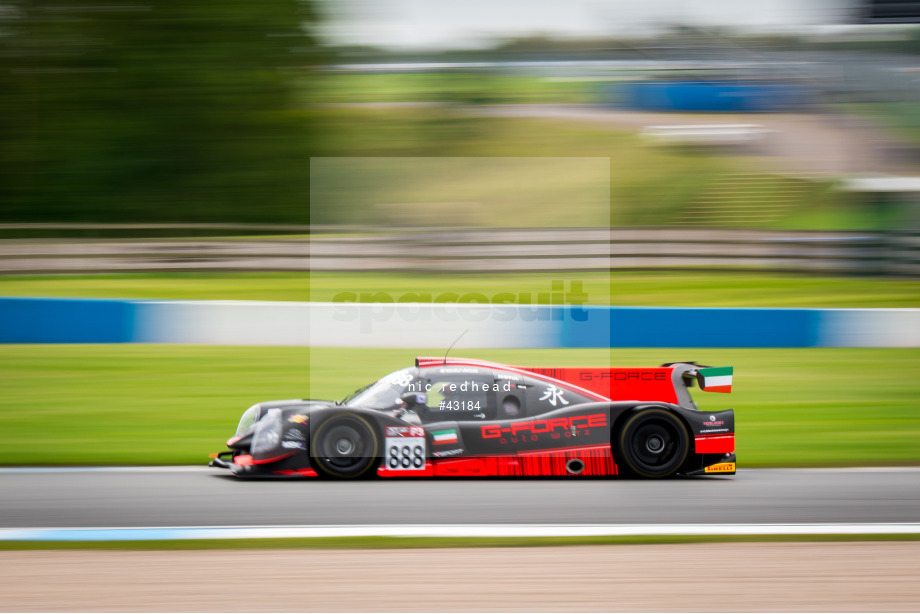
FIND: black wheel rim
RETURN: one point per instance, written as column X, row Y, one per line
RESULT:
column 656, row 445
column 345, row 446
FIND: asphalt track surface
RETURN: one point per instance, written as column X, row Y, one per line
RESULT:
column 192, row 496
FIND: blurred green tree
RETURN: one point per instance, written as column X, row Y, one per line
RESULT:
column 167, row 111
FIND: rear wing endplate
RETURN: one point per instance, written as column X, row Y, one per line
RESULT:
column 709, row 379
column 715, row 379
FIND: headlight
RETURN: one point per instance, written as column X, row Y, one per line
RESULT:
column 267, row 435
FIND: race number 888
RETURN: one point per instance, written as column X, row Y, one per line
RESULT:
column 406, row 457
column 405, row 453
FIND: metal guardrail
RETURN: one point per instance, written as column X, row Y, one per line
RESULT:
column 479, row 250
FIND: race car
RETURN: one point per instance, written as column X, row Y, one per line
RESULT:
column 464, row 417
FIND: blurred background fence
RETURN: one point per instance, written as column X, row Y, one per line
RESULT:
column 336, row 248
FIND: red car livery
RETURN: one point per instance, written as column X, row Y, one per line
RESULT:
column 465, row 417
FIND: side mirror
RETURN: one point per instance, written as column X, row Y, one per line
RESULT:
column 414, row 399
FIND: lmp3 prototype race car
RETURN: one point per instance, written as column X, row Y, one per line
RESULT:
column 461, row 417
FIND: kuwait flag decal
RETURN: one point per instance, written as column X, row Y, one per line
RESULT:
column 716, row 379
column 448, row 436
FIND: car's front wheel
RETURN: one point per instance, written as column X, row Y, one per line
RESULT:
column 345, row 446
column 654, row 443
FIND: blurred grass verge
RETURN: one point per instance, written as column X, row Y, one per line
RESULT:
column 654, row 288
column 153, row 405
column 648, row 185
column 447, row 88
column 387, row 543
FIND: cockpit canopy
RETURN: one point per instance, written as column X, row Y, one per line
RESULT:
column 457, row 392
column 385, row 392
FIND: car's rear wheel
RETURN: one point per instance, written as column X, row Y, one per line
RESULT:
column 345, row 446
column 654, row 443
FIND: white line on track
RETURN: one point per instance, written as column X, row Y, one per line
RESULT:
column 205, row 469
column 162, row 469
column 484, row 530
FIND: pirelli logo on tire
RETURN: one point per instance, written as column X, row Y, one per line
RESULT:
column 721, row 468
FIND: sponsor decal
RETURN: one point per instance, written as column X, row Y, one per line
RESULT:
column 721, row 468
column 716, row 379
column 725, row 430
column 537, row 427
column 446, row 453
column 294, row 440
column 299, row 418
column 404, row 431
column 553, row 395
column 453, row 370
column 444, row 437
column 621, row 376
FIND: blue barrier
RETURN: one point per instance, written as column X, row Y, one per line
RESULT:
column 698, row 327
column 713, row 96
column 42, row 320
column 36, row 320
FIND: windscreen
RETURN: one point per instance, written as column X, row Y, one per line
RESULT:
column 248, row 419
column 385, row 392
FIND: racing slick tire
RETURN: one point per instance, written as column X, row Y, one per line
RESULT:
column 346, row 446
column 654, row 443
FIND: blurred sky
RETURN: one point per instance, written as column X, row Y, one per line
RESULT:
column 474, row 23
